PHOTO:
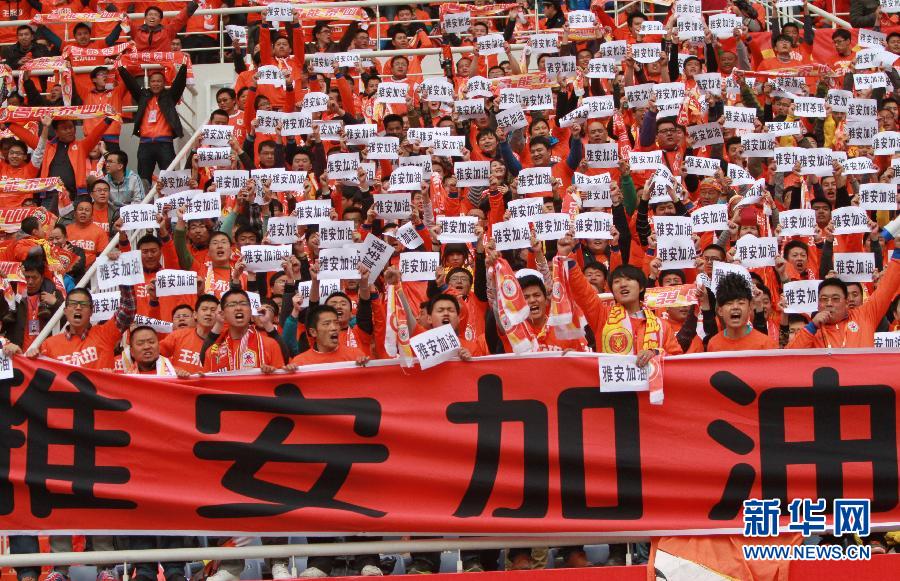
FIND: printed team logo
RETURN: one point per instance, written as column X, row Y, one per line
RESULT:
column 470, row 334
column 557, row 290
column 403, row 333
column 509, row 287
column 248, row 359
column 618, row 341
column 853, row 326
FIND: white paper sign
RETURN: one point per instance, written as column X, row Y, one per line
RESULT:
column 6, row 367
column 645, row 160
column 601, row 68
column 419, row 266
column 710, row 218
column 809, row 107
column 886, row 143
column 457, row 23
column 391, row 93
column 213, row 156
column 753, row 252
column 672, row 226
column 217, row 135
column 393, row 206
column 887, row 340
column 758, row 144
column 706, row 134
column 593, row 225
column 296, row 123
column 469, row 108
column 343, row 166
column 279, row 12
column 336, row 234
column 877, row 196
column 602, row 155
column 204, row 205
column 173, row 181
column 383, row 147
column 676, row 252
column 314, row 102
column 105, row 305
column 850, row 220
column 339, row 263
column 551, row 226
column 646, row 52
column 127, row 270
column 723, row 25
column 264, row 257
column 449, row 145
column 511, row 234
column 560, row 65
column 701, row 166
column 739, row 117
column 270, row 75
column 801, row 296
column 374, row 254
column 620, row 373
column 491, row 44
column 472, row 173
column 171, row 283
column 638, row 95
column 282, row 229
column 360, row 134
column 408, row 236
column 535, row 180
column 525, row 209
column 230, row 181
column 537, row 99
column 854, row 266
column 457, row 229
column 435, row 346
column 138, row 217
column 406, row 178
column 544, row 43
column 797, row 223
column 312, row 211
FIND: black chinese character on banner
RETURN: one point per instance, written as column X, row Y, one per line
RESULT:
column 35, row 405
column 248, row 458
column 489, row 413
column 827, row 450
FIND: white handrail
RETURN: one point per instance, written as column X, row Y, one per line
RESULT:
column 308, row 550
column 113, row 242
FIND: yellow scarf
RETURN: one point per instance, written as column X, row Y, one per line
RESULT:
column 618, row 336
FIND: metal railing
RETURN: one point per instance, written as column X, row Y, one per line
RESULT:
column 113, row 243
column 307, row 550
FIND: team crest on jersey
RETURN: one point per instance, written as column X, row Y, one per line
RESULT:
column 403, row 333
column 618, row 342
column 853, row 326
column 470, row 334
column 248, row 359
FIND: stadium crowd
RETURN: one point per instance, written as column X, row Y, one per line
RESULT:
column 691, row 179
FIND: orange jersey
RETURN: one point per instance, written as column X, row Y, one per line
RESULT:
column 226, row 354
column 342, row 353
column 858, row 329
column 752, row 341
column 93, row 350
column 91, row 238
column 183, row 347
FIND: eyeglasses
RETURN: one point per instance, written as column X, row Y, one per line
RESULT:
column 236, row 304
column 670, row 130
column 85, row 304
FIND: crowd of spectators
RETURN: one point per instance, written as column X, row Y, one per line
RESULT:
column 614, row 124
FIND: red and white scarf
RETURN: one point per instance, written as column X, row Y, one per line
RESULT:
column 396, row 332
column 565, row 317
column 512, row 310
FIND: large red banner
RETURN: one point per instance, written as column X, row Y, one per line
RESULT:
column 499, row 445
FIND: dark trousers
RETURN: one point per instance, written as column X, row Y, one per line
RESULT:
column 22, row 545
column 152, row 155
column 147, row 571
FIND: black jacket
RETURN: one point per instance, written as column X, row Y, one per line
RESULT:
column 167, row 100
column 13, row 54
column 17, row 333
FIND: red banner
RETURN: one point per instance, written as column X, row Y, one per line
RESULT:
column 499, row 445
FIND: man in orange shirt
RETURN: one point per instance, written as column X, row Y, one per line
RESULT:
column 85, row 234
column 625, row 328
column 837, row 325
column 241, row 346
column 539, row 306
column 96, row 93
column 785, row 56
column 733, row 301
column 143, row 357
column 184, row 346
column 85, row 345
column 16, row 164
column 156, row 120
column 324, row 328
